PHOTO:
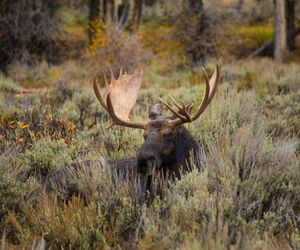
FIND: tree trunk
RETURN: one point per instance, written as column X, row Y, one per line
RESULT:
column 94, row 13
column 123, row 12
column 239, row 5
column 104, row 7
column 290, row 23
column 198, row 50
column 280, row 49
column 137, row 14
column 112, row 10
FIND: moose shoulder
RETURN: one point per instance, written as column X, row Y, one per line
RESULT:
column 168, row 146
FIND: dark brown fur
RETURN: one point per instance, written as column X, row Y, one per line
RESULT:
column 167, row 148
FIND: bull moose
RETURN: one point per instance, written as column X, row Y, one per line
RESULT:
column 168, row 146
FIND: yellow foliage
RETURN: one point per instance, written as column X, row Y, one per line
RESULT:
column 55, row 74
column 101, row 37
column 253, row 34
column 160, row 39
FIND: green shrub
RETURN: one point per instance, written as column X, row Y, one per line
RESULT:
column 31, row 76
column 82, row 109
column 107, row 216
column 8, row 86
column 48, row 155
column 260, row 177
column 15, row 191
column 228, row 111
column 283, row 114
column 265, row 76
column 44, row 75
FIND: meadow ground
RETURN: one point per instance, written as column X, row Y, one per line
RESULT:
column 245, row 196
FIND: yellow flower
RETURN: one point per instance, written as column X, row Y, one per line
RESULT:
column 72, row 127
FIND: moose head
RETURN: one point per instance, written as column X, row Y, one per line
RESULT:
column 168, row 146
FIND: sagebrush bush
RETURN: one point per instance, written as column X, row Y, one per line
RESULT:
column 283, row 113
column 106, row 216
column 40, row 75
column 229, row 111
column 7, row 86
column 15, row 191
column 272, row 78
column 259, row 176
column 7, row 91
column 46, row 75
column 48, row 155
column 82, row 109
column 61, row 93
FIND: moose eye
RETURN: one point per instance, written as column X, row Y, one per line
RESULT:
column 168, row 136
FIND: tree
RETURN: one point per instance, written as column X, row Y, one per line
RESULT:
column 112, row 10
column 104, row 8
column 136, row 15
column 290, row 23
column 195, row 29
column 280, row 40
column 239, row 5
column 290, row 33
column 94, row 13
column 123, row 12
column 27, row 31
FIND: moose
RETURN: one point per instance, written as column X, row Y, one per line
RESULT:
column 169, row 149
column 168, row 146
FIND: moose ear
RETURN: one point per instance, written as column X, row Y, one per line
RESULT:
column 155, row 112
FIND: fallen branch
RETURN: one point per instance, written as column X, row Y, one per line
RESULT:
column 270, row 43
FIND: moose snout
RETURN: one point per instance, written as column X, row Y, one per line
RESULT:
column 147, row 163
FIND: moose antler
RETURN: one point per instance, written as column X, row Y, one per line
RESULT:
column 121, row 96
column 183, row 114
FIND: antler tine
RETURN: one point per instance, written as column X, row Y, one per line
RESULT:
column 181, row 117
column 106, row 83
column 203, row 105
column 211, row 87
column 112, row 77
column 214, row 82
column 210, row 90
column 175, row 103
column 186, row 114
column 97, row 92
column 184, row 109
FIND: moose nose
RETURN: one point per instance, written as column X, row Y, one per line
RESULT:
column 147, row 164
